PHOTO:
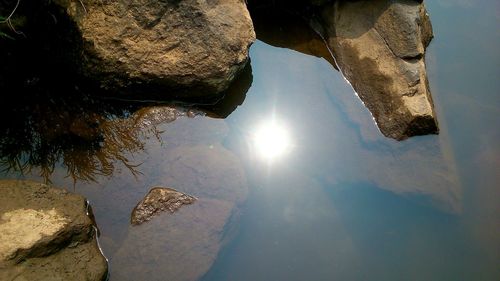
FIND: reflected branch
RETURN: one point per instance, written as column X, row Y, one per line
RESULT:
column 89, row 143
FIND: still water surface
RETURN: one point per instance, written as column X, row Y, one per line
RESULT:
column 300, row 184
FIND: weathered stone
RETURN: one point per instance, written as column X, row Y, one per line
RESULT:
column 165, row 49
column 159, row 199
column 47, row 234
column 379, row 46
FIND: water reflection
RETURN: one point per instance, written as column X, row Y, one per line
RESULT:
column 349, row 204
column 89, row 137
column 77, row 133
column 52, row 123
column 233, row 96
column 50, row 118
column 308, row 220
column 287, row 28
column 271, row 139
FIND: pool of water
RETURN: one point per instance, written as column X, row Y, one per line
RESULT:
column 297, row 183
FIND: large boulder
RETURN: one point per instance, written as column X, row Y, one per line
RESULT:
column 165, row 49
column 47, row 234
column 379, row 46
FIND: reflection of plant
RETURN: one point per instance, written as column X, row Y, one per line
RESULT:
column 5, row 35
column 8, row 21
column 88, row 144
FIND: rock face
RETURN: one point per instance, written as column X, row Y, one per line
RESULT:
column 166, row 49
column 47, row 234
column 379, row 46
column 159, row 199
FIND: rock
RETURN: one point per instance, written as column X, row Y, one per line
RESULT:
column 183, row 245
column 154, row 115
column 379, row 46
column 165, row 49
column 159, row 199
column 46, row 234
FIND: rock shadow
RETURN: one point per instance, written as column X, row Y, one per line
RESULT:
column 233, row 97
column 288, row 28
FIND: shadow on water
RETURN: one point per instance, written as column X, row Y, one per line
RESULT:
column 49, row 117
column 233, row 97
column 284, row 26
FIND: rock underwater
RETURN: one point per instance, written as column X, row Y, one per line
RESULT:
column 157, row 200
column 47, row 234
column 183, row 245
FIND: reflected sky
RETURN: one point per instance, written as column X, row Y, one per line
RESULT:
column 271, row 139
column 341, row 201
column 321, row 210
column 352, row 205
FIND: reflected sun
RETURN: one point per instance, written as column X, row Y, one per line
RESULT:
column 271, row 139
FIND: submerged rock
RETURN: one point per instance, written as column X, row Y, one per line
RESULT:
column 185, row 244
column 165, row 49
column 379, row 46
column 159, row 199
column 47, row 234
column 181, row 247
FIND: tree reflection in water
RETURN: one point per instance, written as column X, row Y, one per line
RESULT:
column 85, row 136
column 48, row 118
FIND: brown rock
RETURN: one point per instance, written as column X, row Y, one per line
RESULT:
column 165, row 49
column 379, row 46
column 159, row 199
column 46, row 234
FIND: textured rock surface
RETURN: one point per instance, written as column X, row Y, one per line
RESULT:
column 159, row 199
column 379, row 46
column 46, row 234
column 169, row 49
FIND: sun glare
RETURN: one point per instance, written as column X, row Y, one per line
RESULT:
column 272, row 140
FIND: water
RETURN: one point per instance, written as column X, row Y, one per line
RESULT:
column 297, row 183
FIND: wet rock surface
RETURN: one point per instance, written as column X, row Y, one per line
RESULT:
column 165, row 49
column 46, row 234
column 159, row 199
column 379, row 46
